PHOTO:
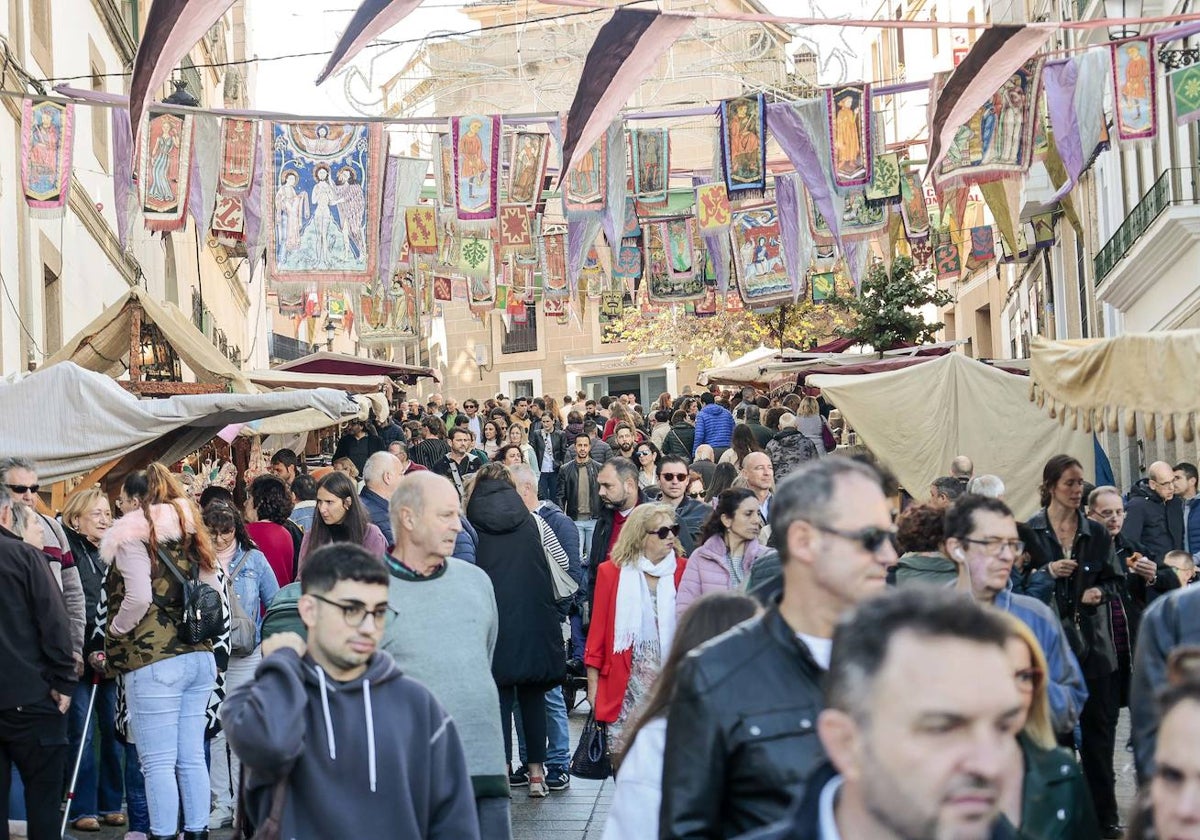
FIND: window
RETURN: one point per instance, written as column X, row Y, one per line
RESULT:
column 1081, row 264
column 522, row 336
column 52, row 311
column 521, row 388
column 100, row 116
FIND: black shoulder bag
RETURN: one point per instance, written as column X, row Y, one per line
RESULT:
column 201, row 620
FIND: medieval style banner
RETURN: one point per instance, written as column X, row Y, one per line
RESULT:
column 743, row 134
column 527, row 168
column 552, row 259
column 651, row 155
column 674, row 264
column 323, row 200
column 238, row 146
column 516, row 229
column 585, row 184
column 712, row 207
column 627, row 267
column 757, row 256
column 47, row 138
column 420, row 227
column 913, row 209
column 476, row 166
column 1135, row 110
column 164, row 170
column 983, row 246
column 388, row 311
column 443, row 170
column 946, row 261
column 885, row 178
column 850, row 134
column 1185, row 94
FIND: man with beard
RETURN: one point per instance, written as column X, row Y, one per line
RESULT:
column 913, row 765
column 619, row 494
column 623, row 439
column 672, row 490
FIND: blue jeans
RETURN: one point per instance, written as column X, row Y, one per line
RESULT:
column 548, row 485
column 135, row 792
column 167, row 700
column 98, row 789
column 586, row 528
column 558, row 736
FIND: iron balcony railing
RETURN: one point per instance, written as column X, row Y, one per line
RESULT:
column 1174, row 186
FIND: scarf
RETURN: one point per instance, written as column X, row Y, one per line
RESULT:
column 225, row 555
column 635, row 622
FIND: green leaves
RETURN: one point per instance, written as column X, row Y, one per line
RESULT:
column 887, row 311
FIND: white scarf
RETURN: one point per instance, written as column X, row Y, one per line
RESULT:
column 635, row 621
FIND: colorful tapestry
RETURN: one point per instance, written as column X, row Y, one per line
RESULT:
column 475, row 256
column 1134, row 90
column 323, row 200
column 885, row 178
column 555, row 307
column 420, row 226
column 824, row 284
column 860, row 216
column 801, row 129
column 443, row 159
column 516, row 232
column 743, row 134
column 586, row 180
column 673, row 270
column 527, row 167
column 501, row 298
column 997, row 141
column 458, row 288
column 946, row 261
column 164, row 170
column 1185, row 94
column 1043, row 230
column 712, row 207
column 755, row 236
column 818, row 225
column 238, row 148
column 983, row 246
column 628, row 264
column 476, row 166
column 388, row 310
column 632, row 227
column 47, row 139
column 552, row 259
column 443, row 288
column 850, row 133
column 651, row 155
column 913, row 209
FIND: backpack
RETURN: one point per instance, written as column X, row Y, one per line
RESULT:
column 201, row 619
column 283, row 614
column 242, row 635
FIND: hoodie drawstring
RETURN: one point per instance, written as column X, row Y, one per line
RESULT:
column 370, row 732
column 329, row 739
column 325, row 710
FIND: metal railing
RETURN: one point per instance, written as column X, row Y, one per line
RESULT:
column 284, row 348
column 1174, row 186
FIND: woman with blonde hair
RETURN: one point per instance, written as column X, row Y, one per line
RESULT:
column 633, row 621
column 1045, row 794
column 811, row 424
column 517, row 436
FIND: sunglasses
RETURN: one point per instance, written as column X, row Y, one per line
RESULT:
column 698, row 495
column 666, row 476
column 23, row 488
column 642, row 453
column 871, row 539
column 665, row 530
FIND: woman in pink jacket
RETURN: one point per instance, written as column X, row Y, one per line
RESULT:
column 728, row 547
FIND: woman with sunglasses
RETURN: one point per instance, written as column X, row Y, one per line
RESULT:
column 1045, row 795
column 633, row 621
column 726, row 548
column 645, row 455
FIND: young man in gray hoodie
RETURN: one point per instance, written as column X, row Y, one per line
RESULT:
column 364, row 750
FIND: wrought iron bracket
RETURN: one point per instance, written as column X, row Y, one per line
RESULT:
column 1175, row 59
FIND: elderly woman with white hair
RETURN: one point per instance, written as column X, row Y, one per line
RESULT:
column 790, row 448
column 991, row 486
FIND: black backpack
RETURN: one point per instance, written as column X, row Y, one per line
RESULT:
column 202, row 619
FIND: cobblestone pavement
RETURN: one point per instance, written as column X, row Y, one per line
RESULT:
column 579, row 813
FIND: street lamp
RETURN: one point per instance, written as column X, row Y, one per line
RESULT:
column 181, row 96
column 1120, row 9
column 330, row 333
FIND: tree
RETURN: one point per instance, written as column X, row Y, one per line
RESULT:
column 887, row 311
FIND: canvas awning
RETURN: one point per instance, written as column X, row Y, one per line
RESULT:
column 71, row 420
column 792, row 366
column 1094, row 384
column 275, row 379
column 918, row 418
column 341, row 364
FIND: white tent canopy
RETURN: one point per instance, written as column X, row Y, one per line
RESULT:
column 71, row 421
column 918, row 418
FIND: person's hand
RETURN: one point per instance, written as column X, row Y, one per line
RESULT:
column 1146, row 568
column 78, row 657
column 1062, row 568
column 283, row 640
column 1091, row 597
column 63, row 701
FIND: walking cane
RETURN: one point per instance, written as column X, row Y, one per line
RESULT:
column 87, row 722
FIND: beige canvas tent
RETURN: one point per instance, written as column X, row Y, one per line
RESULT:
column 917, row 419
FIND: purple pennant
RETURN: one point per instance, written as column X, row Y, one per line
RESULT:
column 252, row 208
column 800, row 130
column 371, row 19
column 787, row 200
column 387, row 218
column 123, row 187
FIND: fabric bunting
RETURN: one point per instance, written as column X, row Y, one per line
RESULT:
column 47, row 142
column 403, row 179
column 673, row 272
column 206, row 169
column 624, row 54
column 164, row 171
column 582, row 230
column 632, row 227
column 616, row 166
column 651, row 163
column 516, row 231
column 371, row 19
column 913, row 209
column 481, row 293
column 475, row 256
column 527, row 168
column 1003, row 199
column 998, row 53
column 712, row 207
column 628, row 264
column 761, row 273
column 585, row 185
column 743, row 134
column 946, row 261
column 1135, row 92
column 123, row 186
column 1185, row 94
column 1074, row 93
column 799, row 127
column 793, row 229
column 552, row 259
column 443, row 170
column 420, row 227
column 983, row 246
column 476, row 142
column 238, row 145
column 850, row 135
column 1043, row 230
column 885, row 178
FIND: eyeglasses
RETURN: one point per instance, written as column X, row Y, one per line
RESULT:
column 666, row 476
column 470, row 407
column 993, row 547
column 870, row 539
column 355, row 614
column 662, row 532
column 20, row 489
column 642, row 453
column 1028, row 677
column 697, row 495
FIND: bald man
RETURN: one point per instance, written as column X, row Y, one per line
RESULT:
column 962, row 468
column 1153, row 516
column 758, row 476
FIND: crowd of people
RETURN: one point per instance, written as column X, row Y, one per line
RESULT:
column 776, row 640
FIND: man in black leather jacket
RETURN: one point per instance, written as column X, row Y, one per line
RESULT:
column 741, row 734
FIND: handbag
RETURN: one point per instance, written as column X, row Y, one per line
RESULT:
column 565, row 586
column 592, row 759
column 242, row 635
column 827, row 437
column 201, row 619
column 272, row 826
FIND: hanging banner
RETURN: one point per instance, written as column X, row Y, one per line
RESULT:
column 913, row 209
column 389, row 310
column 420, row 226
column 164, row 171
column 47, row 141
column 323, row 200
column 475, row 256
column 527, row 167
column 1185, row 94
column 713, row 212
column 443, row 288
column 476, row 141
column 443, row 168
column 628, row 264
column 850, row 133
column 946, row 262
column 552, row 259
column 584, row 188
column 651, row 153
column 885, row 178
column 1134, row 90
column 673, row 267
column 983, row 246
column 743, row 134
column 862, row 217
column 632, row 226
column 1043, row 230
column 758, row 257
column 516, row 232
column 238, row 146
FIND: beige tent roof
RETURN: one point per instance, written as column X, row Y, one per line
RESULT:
column 276, row 379
column 1151, row 374
column 103, row 345
column 918, row 418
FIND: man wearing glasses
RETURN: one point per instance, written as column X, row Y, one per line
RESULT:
column 361, row 748
column 1153, row 517
column 981, row 537
column 672, row 490
column 471, row 410
column 741, row 731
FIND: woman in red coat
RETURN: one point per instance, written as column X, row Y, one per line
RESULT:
column 634, row 617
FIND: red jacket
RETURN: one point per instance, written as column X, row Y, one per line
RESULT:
column 614, row 668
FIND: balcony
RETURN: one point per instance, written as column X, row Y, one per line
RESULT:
column 284, row 348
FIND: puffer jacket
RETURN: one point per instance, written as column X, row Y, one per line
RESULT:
column 714, row 426
column 788, row 450
column 1155, row 525
column 707, row 572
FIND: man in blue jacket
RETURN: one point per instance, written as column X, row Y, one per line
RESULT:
column 714, row 426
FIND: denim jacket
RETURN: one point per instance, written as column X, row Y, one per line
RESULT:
column 255, row 584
